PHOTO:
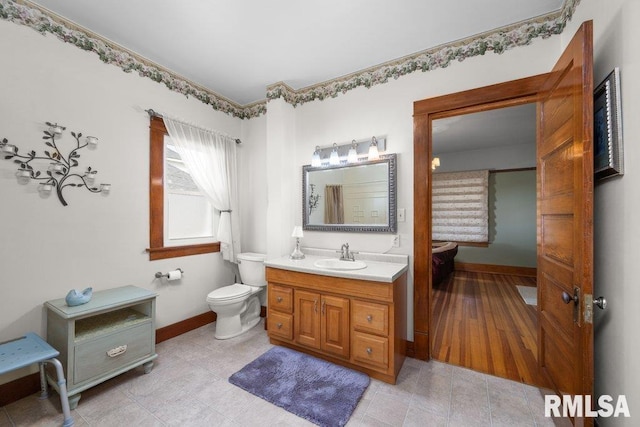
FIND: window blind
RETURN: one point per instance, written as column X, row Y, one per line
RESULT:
column 460, row 211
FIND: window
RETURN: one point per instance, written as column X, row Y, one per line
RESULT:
column 181, row 220
column 460, row 211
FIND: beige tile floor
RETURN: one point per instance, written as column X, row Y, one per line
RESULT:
column 188, row 387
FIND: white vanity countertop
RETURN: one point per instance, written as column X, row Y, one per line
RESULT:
column 380, row 267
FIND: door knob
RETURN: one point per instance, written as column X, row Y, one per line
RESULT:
column 568, row 298
column 600, row 302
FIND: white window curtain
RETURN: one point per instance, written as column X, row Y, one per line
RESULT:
column 211, row 159
column 460, row 206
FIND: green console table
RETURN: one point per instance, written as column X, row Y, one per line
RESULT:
column 111, row 334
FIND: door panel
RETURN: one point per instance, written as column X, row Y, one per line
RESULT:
column 565, row 218
column 307, row 318
column 335, row 325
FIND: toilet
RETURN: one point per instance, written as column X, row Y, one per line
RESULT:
column 238, row 306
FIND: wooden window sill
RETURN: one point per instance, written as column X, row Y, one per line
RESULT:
column 164, row 252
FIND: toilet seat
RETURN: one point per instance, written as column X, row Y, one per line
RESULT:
column 230, row 292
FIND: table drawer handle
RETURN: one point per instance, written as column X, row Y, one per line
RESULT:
column 279, row 299
column 369, row 350
column 369, row 318
column 117, row 351
column 279, row 325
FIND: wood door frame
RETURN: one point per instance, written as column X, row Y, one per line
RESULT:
column 507, row 94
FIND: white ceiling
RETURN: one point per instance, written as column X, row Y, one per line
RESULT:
column 486, row 129
column 238, row 48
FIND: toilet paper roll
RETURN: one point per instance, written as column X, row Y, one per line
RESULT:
column 175, row 275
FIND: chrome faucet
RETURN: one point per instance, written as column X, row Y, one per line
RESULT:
column 345, row 254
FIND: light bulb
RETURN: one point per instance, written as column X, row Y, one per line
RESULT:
column 435, row 163
column 334, row 159
column 316, row 162
column 373, row 149
column 352, row 156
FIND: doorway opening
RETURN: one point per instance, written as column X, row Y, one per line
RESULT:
column 484, row 201
column 426, row 114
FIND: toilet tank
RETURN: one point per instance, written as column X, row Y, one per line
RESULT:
column 251, row 267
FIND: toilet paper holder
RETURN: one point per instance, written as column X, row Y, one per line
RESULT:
column 160, row 274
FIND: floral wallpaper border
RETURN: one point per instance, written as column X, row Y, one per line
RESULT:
column 25, row 13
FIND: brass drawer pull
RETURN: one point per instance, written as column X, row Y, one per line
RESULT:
column 279, row 299
column 369, row 350
column 114, row 352
column 369, row 318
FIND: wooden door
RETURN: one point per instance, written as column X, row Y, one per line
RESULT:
column 565, row 220
column 335, row 326
column 307, row 318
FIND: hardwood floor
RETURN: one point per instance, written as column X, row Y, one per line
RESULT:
column 482, row 323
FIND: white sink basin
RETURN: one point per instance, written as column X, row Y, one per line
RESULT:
column 336, row 264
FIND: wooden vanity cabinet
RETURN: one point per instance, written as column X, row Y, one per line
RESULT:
column 355, row 323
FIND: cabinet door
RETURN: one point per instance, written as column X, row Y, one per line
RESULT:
column 307, row 318
column 335, row 326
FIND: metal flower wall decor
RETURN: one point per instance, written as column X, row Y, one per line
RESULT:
column 61, row 171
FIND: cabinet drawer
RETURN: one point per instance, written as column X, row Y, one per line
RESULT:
column 92, row 359
column 280, row 325
column 370, row 317
column 371, row 350
column 281, row 298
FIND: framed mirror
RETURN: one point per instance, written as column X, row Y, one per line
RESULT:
column 359, row 197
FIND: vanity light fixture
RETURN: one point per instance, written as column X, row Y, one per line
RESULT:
column 350, row 153
column 298, row 234
column 435, row 163
column 60, row 173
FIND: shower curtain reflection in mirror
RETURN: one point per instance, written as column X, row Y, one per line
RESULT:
column 334, row 205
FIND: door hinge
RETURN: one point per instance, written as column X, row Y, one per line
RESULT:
column 588, row 308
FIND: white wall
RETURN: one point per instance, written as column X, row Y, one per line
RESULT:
column 252, row 185
column 616, row 227
column 47, row 249
column 512, row 222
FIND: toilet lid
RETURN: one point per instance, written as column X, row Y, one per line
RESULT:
column 229, row 292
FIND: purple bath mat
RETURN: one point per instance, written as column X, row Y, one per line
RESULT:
column 316, row 390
